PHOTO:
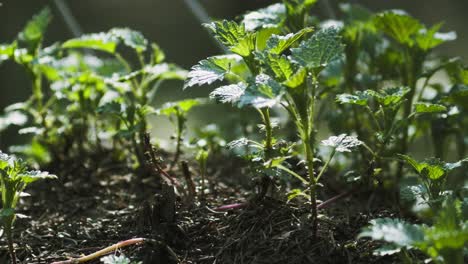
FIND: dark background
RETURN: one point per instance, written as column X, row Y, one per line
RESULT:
column 172, row 25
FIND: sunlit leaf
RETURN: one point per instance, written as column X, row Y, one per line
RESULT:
column 427, row 39
column 32, row 176
column 35, row 28
column 422, row 107
column 395, row 231
column 179, row 107
column 268, row 17
column 265, row 92
column 398, row 25
column 278, row 44
column 358, row 98
column 229, row 93
column 98, row 41
column 342, row 143
column 130, row 38
column 210, row 70
column 319, row 50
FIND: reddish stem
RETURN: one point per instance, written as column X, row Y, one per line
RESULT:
column 102, row 252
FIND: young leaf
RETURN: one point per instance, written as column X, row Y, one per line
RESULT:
column 319, row 50
column 32, row 176
column 229, row 93
column 7, row 51
column 34, row 30
column 422, row 107
column 342, row 143
column 227, row 32
column 265, row 92
column 297, row 79
column 98, row 41
column 277, row 44
column 130, row 38
column 398, row 25
column 174, row 108
column 210, row 70
column 427, row 39
column 394, row 231
column 390, row 96
column 433, row 168
column 358, row 98
column 268, row 17
column 280, row 66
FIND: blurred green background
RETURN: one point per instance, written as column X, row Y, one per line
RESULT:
column 174, row 27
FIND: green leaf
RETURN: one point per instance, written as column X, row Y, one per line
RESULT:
column 394, row 231
column 229, row 93
column 98, row 41
column 342, row 143
column 388, row 249
column 7, row 51
column 297, row 193
column 234, row 36
column 278, row 44
column 113, row 108
column 179, row 107
column 210, row 70
column 432, row 168
column 268, row 17
column 264, row 92
column 158, row 54
column 32, row 176
column 429, row 39
column 6, row 212
column 245, row 46
column 398, row 25
column 358, row 98
column 130, row 38
column 35, row 28
column 108, row 41
column 280, row 66
column 6, row 160
column 390, row 96
column 227, row 32
column 422, row 107
column 297, row 79
column 319, row 50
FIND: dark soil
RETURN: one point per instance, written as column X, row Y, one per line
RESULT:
column 89, row 209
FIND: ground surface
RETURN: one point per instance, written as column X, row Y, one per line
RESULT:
column 90, row 209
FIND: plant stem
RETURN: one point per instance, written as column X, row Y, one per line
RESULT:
column 325, row 167
column 103, row 252
column 265, row 113
column 180, row 127
column 11, row 247
column 312, row 184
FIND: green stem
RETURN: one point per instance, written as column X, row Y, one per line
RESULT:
column 265, row 113
column 180, row 127
column 11, row 247
column 325, row 167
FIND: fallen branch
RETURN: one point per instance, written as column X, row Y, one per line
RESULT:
column 103, row 252
column 231, row 206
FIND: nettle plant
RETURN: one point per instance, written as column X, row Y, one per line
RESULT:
column 392, row 99
column 85, row 93
column 177, row 113
column 14, row 178
column 269, row 71
column 443, row 240
column 432, row 187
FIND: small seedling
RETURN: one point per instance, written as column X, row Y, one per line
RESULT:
column 177, row 113
column 14, row 178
